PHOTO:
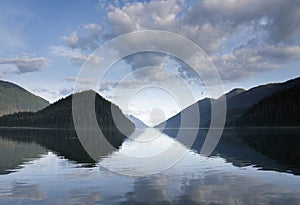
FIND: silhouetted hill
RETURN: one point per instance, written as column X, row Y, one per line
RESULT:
column 14, row 99
column 280, row 109
column 59, row 115
column 234, row 92
column 238, row 104
column 238, row 101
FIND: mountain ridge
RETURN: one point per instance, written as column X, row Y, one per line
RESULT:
column 60, row 115
column 239, row 101
column 14, row 98
column 279, row 109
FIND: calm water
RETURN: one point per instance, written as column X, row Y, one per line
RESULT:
column 254, row 166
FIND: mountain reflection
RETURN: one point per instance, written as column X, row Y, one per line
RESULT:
column 20, row 144
column 13, row 154
column 53, row 178
column 268, row 149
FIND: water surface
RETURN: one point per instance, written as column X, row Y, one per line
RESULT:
column 255, row 166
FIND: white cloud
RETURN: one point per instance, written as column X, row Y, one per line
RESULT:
column 165, row 15
column 71, row 40
column 88, row 40
column 24, row 64
column 87, row 81
column 242, row 37
column 283, row 15
column 76, row 57
column 93, row 28
column 244, row 61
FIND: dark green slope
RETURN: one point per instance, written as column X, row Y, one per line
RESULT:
column 59, row 115
column 238, row 104
column 280, row 109
column 13, row 99
column 238, row 101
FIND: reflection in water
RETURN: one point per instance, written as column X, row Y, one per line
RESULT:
column 268, row 149
column 21, row 190
column 224, row 178
column 84, row 197
column 63, row 142
column 13, row 154
column 147, row 152
column 282, row 145
column 209, row 189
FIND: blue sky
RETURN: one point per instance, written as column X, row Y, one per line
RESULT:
column 44, row 43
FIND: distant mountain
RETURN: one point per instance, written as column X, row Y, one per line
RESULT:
column 238, row 101
column 282, row 108
column 59, row 115
column 137, row 122
column 13, row 99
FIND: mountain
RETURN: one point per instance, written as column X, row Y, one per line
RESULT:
column 234, row 92
column 238, row 101
column 59, row 115
column 137, row 122
column 238, row 104
column 13, row 99
column 282, row 108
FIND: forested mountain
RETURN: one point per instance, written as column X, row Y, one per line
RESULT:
column 280, row 109
column 204, row 108
column 238, row 101
column 59, row 115
column 13, row 99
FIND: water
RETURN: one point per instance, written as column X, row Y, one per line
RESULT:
column 255, row 166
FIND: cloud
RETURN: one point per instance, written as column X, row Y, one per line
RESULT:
column 167, row 16
column 53, row 93
column 245, row 61
column 94, row 30
column 76, row 57
column 71, row 40
column 242, row 37
column 65, row 91
column 89, row 40
column 282, row 15
column 86, row 81
column 25, row 64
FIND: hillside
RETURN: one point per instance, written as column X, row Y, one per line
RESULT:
column 280, row 109
column 13, row 99
column 204, row 107
column 238, row 101
column 59, row 115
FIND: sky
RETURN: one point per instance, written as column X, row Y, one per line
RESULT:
column 44, row 44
